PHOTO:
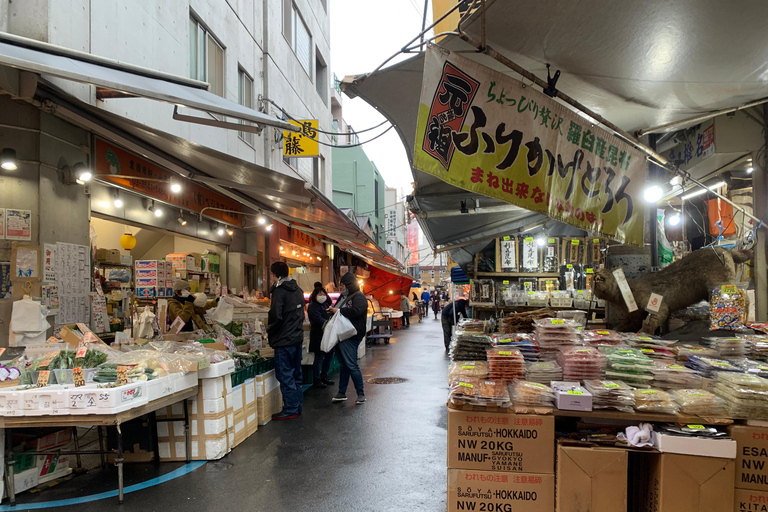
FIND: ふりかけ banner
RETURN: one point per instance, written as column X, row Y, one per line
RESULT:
column 488, row 133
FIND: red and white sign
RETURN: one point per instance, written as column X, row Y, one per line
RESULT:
column 413, row 242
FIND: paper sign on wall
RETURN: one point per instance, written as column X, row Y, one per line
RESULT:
column 626, row 292
column 49, row 263
column 654, row 303
column 2, row 223
column 18, row 224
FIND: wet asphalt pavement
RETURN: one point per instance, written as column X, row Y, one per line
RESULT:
column 386, row 455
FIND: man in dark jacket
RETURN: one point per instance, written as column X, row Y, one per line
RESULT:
column 286, row 334
column 353, row 305
column 447, row 318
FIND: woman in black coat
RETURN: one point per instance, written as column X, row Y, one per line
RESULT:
column 436, row 304
column 317, row 312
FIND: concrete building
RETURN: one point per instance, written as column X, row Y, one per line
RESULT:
column 396, row 221
column 358, row 185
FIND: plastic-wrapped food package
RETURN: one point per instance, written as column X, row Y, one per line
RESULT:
column 752, row 367
column 654, row 401
column 543, row 372
column 494, row 390
column 505, row 363
column 556, row 332
column 478, row 369
column 630, row 365
column 728, row 308
column 525, row 343
column 687, row 349
column 700, row 403
column 746, row 395
column 610, row 394
column 478, row 391
column 472, row 325
column 646, row 340
column 728, row 347
column 675, row 376
column 464, row 387
column 582, row 363
column 603, row 337
column 709, row 366
column 470, row 346
column 532, row 394
column 759, row 347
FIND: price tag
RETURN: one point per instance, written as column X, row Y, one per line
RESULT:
column 52, row 339
column 569, row 266
column 81, row 352
column 506, row 239
column 604, row 333
column 551, row 241
column 202, row 365
column 505, row 353
column 676, row 367
column 595, row 240
column 558, row 322
column 648, row 392
column 77, row 373
column 695, row 427
column 466, row 385
column 468, row 367
column 575, row 242
column 42, row 379
column 505, row 282
column 574, row 392
column 122, row 375
column 2, row 351
column 625, row 352
column 654, row 303
column 530, row 293
column 590, row 271
column 611, row 385
column 728, row 289
column 646, row 350
column 536, row 384
column 529, row 239
column 626, row 291
column 505, row 341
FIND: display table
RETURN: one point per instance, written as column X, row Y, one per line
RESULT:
column 638, row 417
column 99, row 420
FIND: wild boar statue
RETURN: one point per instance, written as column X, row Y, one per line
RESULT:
column 683, row 283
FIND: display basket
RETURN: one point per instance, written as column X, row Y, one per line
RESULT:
column 561, row 302
column 537, row 302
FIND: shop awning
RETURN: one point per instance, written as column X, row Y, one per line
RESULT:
column 55, row 61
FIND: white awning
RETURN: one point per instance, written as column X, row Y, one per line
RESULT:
column 47, row 59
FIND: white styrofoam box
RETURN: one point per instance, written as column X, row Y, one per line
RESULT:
column 56, row 474
column 214, row 388
column 91, row 399
column 214, row 406
column 46, row 401
column 229, row 400
column 218, row 369
column 251, row 419
column 159, row 388
column 52, row 466
column 227, row 384
column 10, row 401
column 250, row 391
column 230, row 419
column 212, row 427
column 240, row 425
column 214, row 449
column 185, row 381
column 231, row 436
column 25, row 480
column 237, row 398
column 266, row 383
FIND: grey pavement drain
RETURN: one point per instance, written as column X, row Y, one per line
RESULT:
column 386, row 380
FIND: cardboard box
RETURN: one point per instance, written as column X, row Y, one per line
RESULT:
column 267, row 405
column 181, row 261
column 126, row 259
column 496, row 491
column 745, row 500
column 751, row 457
column 69, row 333
column 700, row 446
column 501, row 442
column 593, row 479
column 145, row 292
column 147, row 264
column 684, row 483
column 147, row 273
column 198, row 261
column 111, row 256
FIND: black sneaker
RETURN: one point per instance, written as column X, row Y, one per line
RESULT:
column 327, row 381
column 339, row 398
column 319, row 384
column 284, row 416
column 360, row 400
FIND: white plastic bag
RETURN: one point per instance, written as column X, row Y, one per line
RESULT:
column 345, row 329
column 144, row 325
column 330, row 334
column 223, row 312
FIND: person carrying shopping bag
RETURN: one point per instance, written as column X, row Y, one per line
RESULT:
column 354, row 306
column 317, row 312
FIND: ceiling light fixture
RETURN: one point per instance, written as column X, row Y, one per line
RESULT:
column 703, row 190
column 750, row 169
column 116, row 199
column 8, row 159
column 674, row 219
column 220, row 231
column 261, row 219
column 175, row 187
column 181, row 218
column 541, row 242
column 230, row 231
column 82, row 173
column 104, row 204
column 158, row 212
column 653, row 193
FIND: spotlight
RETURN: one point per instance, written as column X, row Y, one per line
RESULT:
column 750, row 169
column 220, row 231
column 175, row 187
column 230, row 231
column 8, row 159
column 541, row 242
column 103, row 204
column 117, row 201
column 390, row 292
column 269, row 227
column 158, row 212
column 281, row 247
column 181, row 218
column 261, row 219
column 653, row 193
column 82, row 173
column 674, row 219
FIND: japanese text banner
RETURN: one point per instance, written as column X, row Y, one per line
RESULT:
column 488, row 133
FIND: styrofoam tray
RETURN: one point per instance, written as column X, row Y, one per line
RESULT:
column 184, row 381
column 46, row 401
column 159, row 388
column 217, row 370
column 91, row 399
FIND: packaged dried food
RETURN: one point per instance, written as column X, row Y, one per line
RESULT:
column 707, row 366
column 469, row 346
column 649, row 340
column 543, row 372
column 602, row 337
column 532, row 394
column 728, row 308
column 670, row 375
column 700, row 403
column 752, row 367
column 556, row 324
column 610, row 394
column 556, row 332
column 464, row 386
column 581, row 363
column 505, row 363
column 477, row 369
column 728, row 347
column 494, row 389
column 525, row 343
column 654, row 401
column 687, row 349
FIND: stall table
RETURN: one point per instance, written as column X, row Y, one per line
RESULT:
column 99, row 420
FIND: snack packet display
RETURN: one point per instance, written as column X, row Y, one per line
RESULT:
column 752, row 367
column 505, row 363
column 687, row 349
column 525, row 343
column 469, row 346
column 629, row 365
column 698, row 402
column 610, row 394
column 582, row 363
column 708, row 366
column 746, row 395
column 728, row 347
column 654, row 401
column 556, row 332
column 543, row 372
column 531, row 394
column 478, row 391
column 477, row 369
column 759, row 346
column 602, row 337
column 464, row 387
column 674, row 376
column 728, row 308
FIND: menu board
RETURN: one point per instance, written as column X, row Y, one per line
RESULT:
column 73, row 278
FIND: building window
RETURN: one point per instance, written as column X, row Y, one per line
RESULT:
column 206, row 57
column 245, row 98
column 321, row 78
column 318, row 172
column 297, row 34
column 432, row 274
column 376, row 197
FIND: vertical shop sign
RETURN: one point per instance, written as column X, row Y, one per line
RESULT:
column 304, row 143
column 485, row 132
column 507, row 249
column 2, row 223
column 413, row 243
column 49, row 263
column 18, row 224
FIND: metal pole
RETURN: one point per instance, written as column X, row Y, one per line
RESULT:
column 653, row 172
column 423, row 23
column 187, row 432
column 77, row 448
column 760, row 198
column 697, row 119
column 101, row 447
column 119, row 463
column 10, row 473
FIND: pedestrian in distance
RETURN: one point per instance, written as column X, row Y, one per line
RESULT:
column 317, row 312
column 405, row 307
column 447, row 318
column 353, row 305
column 286, row 334
column 436, row 303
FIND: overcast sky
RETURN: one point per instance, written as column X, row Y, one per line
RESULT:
column 364, row 33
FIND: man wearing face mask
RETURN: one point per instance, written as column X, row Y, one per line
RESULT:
column 187, row 306
column 353, row 305
column 286, row 334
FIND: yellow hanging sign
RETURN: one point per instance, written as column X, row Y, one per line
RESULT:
column 304, row 143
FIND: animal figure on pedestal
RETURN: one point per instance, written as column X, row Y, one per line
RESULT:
column 683, row 283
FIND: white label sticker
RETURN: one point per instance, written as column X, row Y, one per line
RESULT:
column 654, row 303
column 626, row 292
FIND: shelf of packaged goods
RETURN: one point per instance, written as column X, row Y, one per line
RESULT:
column 118, row 265
column 530, row 308
column 554, row 275
column 636, row 417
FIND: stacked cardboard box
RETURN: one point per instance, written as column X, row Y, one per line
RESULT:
column 209, row 415
column 593, row 479
column 269, row 400
column 751, row 474
column 153, row 278
column 244, row 411
column 687, row 483
column 499, row 461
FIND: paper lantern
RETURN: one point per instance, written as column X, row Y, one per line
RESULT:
column 127, row 241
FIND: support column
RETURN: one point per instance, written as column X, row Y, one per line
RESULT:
column 759, row 199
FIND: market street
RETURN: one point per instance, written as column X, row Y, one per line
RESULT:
column 388, row 454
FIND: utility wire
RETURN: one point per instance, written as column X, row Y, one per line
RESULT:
column 352, row 132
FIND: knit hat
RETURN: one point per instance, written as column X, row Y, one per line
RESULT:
column 350, row 281
column 180, row 285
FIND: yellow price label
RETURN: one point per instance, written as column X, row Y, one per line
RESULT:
column 696, row 427
column 569, row 266
column 649, row 392
column 729, row 288
column 505, row 282
column 595, row 240
column 558, row 322
column 551, row 241
column 529, row 239
column 575, row 242
column 574, row 392
column 506, row 239
column 466, row 385
column 590, row 271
